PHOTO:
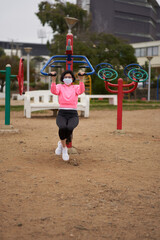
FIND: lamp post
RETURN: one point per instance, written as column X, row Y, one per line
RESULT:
column 70, row 22
column 149, row 76
column 28, row 50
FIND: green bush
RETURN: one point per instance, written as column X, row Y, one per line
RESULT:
column 41, row 86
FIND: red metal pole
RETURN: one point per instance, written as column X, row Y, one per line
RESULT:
column 119, row 106
column 69, row 51
column 120, row 93
column 69, row 66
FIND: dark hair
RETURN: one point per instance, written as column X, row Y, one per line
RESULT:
column 70, row 72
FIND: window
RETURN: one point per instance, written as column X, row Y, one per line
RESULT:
column 155, row 51
column 152, row 51
column 143, row 52
column 137, row 52
column 149, row 51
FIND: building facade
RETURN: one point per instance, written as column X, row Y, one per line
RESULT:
column 134, row 21
column 143, row 50
column 85, row 4
column 18, row 49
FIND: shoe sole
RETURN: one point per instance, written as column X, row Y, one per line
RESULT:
column 66, row 160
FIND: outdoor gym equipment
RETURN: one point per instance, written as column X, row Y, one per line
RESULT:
column 68, row 59
column 134, row 72
column 105, row 71
column 8, row 76
column 20, row 77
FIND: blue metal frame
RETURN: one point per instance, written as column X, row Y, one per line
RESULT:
column 101, row 66
column 51, row 63
column 131, row 66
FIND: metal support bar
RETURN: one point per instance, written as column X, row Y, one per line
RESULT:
column 2, row 71
column 7, row 95
column 149, row 80
column 120, row 104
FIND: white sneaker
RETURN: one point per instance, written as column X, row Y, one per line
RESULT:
column 65, row 155
column 58, row 150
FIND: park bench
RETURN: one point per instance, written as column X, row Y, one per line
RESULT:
column 44, row 100
column 112, row 98
column 18, row 97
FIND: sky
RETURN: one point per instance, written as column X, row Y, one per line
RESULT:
column 18, row 22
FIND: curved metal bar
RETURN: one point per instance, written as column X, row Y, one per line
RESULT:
column 107, row 74
column 129, row 84
column 107, row 84
column 124, row 85
column 49, row 63
column 57, row 61
column 76, row 61
column 112, row 84
column 129, row 67
column 101, row 65
column 132, row 89
column 138, row 75
column 108, row 89
column 87, row 62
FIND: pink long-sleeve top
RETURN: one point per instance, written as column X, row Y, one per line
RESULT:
column 68, row 95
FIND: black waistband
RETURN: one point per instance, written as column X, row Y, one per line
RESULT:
column 68, row 112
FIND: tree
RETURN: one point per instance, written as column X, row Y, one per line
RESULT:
column 53, row 15
column 36, row 63
column 2, row 53
column 13, row 61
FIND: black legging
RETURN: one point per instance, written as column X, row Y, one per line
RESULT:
column 66, row 120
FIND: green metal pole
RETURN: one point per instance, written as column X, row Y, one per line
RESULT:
column 7, row 95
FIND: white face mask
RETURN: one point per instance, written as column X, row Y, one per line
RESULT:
column 67, row 81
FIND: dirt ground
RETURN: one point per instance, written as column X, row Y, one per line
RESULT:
column 109, row 190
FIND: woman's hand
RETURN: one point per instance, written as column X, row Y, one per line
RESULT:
column 81, row 76
column 54, row 77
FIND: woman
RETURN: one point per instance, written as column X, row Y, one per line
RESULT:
column 67, row 118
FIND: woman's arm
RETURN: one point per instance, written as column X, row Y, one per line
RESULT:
column 81, row 87
column 54, row 75
column 81, row 76
column 54, row 88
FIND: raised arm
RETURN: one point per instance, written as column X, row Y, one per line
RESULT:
column 54, row 88
column 81, row 87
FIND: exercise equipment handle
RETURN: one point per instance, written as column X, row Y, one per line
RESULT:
column 63, row 59
column 81, row 74
column 52, row 75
